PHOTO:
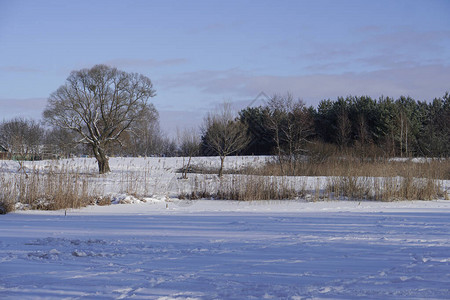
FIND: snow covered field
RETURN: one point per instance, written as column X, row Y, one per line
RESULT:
column 214, row 249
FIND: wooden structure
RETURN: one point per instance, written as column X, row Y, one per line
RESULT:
column 4, row 154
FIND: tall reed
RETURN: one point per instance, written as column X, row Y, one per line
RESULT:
column 50, row 190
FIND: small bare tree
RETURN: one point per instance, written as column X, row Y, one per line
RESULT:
column 100, row 104
column 224, row 134
column 189, row 142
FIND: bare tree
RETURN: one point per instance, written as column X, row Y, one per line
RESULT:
column 224, row 134
column 292, row 125
column 144, row 136
column 100, row 104
column 343, row 127
column 403, row 125
column 189, row 142
column 364, row 139
column 22, row 138
column 61, row 142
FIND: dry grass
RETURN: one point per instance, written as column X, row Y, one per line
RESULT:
column 60, row 186
column 366, row 177
column 52, row 190
column 247, row 188
column 383, row 189
column 350, row 177
column 7, row 198
column 351, row 166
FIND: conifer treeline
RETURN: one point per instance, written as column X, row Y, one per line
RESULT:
column 401, row 127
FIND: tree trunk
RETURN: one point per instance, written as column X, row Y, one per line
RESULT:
column 222, row 159
column 186, row 168
column 103, row 166
column 102, row 160
column 280, row 158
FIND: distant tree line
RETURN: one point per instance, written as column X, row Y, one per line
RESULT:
column 286, row 127
column 21, row 138
column 403, row 127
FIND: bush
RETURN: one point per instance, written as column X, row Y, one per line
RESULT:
column 6, row 206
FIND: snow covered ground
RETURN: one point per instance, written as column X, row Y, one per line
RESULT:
column 214, row 249
column 229, row 250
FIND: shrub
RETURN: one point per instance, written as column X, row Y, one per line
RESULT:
column 6, row 206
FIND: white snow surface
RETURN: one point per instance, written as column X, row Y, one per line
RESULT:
column 211, row 249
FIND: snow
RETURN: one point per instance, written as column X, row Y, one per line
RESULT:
column 166, row 248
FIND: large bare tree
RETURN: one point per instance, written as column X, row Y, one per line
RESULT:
column 224, row 134
column 100, row 104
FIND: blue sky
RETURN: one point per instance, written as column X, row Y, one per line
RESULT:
column 202, row 53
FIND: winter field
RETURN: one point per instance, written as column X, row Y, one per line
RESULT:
column 160, row 247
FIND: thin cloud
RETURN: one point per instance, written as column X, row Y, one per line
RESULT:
column 216, row 27
column 202, row 79
column 175, row 120
column 326, row 67
column 390, row 61
column 368, row 29
column 406, row 48
column 420, row 82
column 408, row 39
column 152, row 63
column 330, row 52
column 28, row 108
column 19, row 69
